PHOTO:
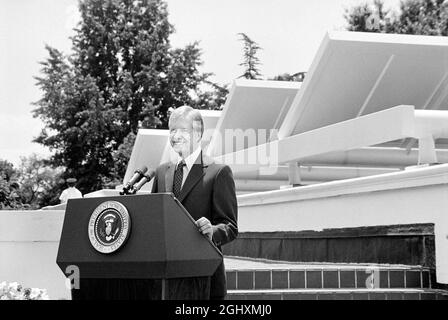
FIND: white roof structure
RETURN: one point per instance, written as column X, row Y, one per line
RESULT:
column 363, row 90
column 367, row 103
column 253, row 105
column 356, row 73
column 147, row 151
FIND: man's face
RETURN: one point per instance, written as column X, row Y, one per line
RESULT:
column 182, row 138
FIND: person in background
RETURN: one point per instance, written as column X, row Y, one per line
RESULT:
column 71, row 192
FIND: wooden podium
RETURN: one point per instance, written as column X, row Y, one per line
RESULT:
column 162, row 255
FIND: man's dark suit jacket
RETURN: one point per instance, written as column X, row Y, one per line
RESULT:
column 208, row 191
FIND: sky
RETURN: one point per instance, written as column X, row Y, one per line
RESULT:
column 289, row 32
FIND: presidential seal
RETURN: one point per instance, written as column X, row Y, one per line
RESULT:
column 109, row 226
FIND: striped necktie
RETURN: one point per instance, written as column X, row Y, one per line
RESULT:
column 178, row 177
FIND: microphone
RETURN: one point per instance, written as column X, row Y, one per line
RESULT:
column 146, row 178
column 137, row 175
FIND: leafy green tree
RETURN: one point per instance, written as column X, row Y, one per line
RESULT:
column 33, row 185
column 250, row 59
column 212, row 99
column 7, row 171
column 298, row 77
column 9, row 197
column 423, row 17
column 368, row 17
column 37, row 180
column 121, row 158
column 122, row 75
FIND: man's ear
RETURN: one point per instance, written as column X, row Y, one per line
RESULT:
column 198, row 136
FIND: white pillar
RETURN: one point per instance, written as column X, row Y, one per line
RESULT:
column 426, row 150
column 294, row 173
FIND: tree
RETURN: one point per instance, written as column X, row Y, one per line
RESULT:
column 7, row 171
column 33, row 185
column 9, row 198
column 122, row 75
column 297, row 77
column 423, row 17
column 368, row 18
column 121, row 158
column 39, row 182
column 212, row 99
column 250, row 59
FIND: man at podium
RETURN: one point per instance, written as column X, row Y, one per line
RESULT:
column 205, row 188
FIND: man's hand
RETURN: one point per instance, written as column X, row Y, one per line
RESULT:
column 205, row 227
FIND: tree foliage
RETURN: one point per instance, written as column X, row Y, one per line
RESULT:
column 121, row 76
column 250, row 59
column 9, row 198
column 121, row 158
column 422, row 17
column 33, row 185
column 212, row 99
column 39, row 182
column 297, row 77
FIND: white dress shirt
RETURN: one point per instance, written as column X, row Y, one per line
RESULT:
column 189, row 162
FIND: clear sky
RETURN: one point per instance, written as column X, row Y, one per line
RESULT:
column 289, row 31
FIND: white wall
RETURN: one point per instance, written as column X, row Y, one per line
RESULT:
column 29, row 242
column 414, row 196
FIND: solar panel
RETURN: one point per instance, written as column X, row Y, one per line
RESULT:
column 357, row 73
column 253, row 105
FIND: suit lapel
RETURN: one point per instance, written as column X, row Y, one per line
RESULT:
column 196, row 173
column 169, row 177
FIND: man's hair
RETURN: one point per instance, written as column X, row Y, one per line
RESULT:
column 187, row 112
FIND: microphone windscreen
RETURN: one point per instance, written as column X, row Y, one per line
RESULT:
column 142, row 170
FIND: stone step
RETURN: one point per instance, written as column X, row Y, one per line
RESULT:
column 261, row 274
column 338, row 294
